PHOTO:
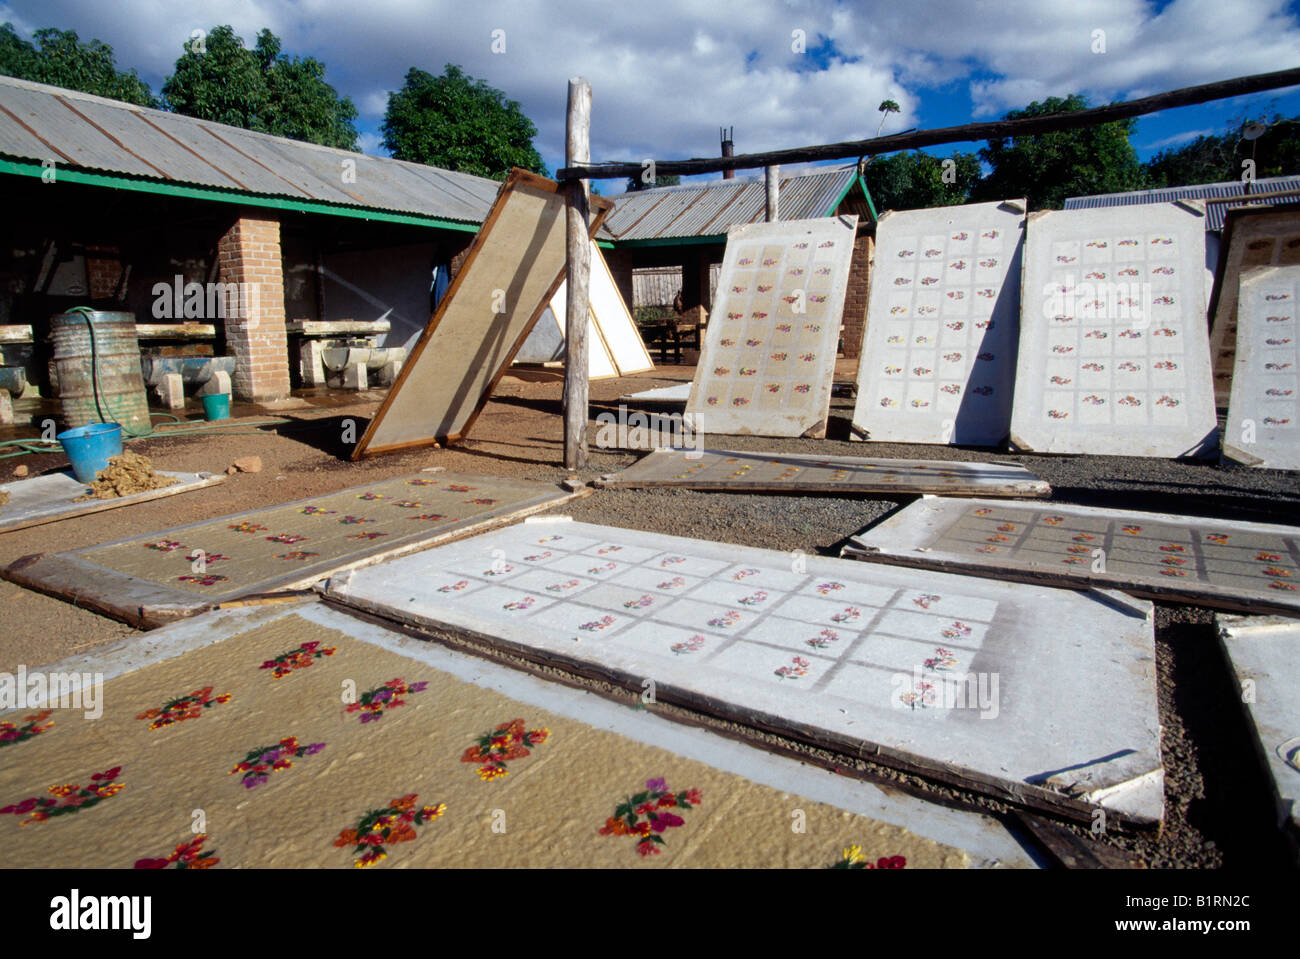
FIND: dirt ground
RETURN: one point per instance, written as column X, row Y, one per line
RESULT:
column 1218, row 805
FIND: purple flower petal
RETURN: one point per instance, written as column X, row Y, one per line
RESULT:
column 656, row 785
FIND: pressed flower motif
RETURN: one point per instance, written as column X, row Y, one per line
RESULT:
column 507, row 742
column 298, row 658
column 650, row 803
column 380, row 828
column 188, row 855
column 853, row 858
column 75, row 798
column 375, row 702
column 258, row 765
column 32, row 725
column 184, row 707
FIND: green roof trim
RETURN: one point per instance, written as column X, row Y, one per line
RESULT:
column 191, row 192
column 856, row 178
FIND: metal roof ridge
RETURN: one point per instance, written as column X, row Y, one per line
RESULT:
column 57, row 92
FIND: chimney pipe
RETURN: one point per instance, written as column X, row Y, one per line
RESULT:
column 728, row 149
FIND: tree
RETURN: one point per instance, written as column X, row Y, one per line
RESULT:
column 62, row 60
column 218, row 79
column 1215, row 159
column 886, row 108
column 1207, row 159
column 916, row 180
column 635, row 183
column 1045, row 168
column 458, row 123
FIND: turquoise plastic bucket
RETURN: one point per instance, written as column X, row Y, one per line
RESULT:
column 89, row 447
column 216, row 406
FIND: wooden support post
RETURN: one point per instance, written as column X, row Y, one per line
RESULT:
column 772, row 175
column 578, row 275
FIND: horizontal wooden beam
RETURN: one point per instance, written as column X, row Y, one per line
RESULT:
column 1188, row 96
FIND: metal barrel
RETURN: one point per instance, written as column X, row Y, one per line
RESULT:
column 97, row 359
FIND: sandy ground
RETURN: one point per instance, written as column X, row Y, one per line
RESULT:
column 1218, row 805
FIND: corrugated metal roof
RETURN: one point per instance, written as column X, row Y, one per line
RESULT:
column 39, row 122
column 710, row 209
column 1214, row 212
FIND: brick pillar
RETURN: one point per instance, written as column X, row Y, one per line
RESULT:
column 103, row 270
column 855, row 297
column 249, row 253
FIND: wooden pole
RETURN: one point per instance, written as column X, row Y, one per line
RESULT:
column 578, row 276
column 772, row 176
column 969, row 132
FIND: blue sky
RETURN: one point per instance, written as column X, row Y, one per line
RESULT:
column 666, row 76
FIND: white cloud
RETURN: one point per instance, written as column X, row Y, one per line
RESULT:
column 666, row 76
column 1178, row 138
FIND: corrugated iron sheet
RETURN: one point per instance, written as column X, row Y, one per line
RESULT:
column 710, row 209
column 1214, row 212
column 39, row 122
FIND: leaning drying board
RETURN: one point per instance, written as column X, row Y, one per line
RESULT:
column 944, row 307
column 1263, row 427
column 564, row 761
column 1252, row 237
column 1231, row 565
column 152, row 579
column 1114, row 352
column 1262, row 653
column 769, row 350
column 50, row 498
column 1040, row 696
column 795, row 473
column 513, row 268
column 614, row 346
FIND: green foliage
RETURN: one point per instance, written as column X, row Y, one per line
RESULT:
column 1214, row 159
column 915, row 180
column 1046, row 168
column 260, row 89
column 459, row 123
column 62, row 60
column 1207, row 159
column 635, row 183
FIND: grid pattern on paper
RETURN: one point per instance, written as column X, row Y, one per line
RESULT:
column 941, row 327
column 1116, row 343
column 240, row 552
column 843, row 636
column 940, row 335
column 772, row 335
column 1145, row 550
column 1269, row 354
column 1252, row 242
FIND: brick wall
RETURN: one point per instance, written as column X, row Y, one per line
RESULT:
column 855, row 298
column 249, row 252
column 103, row 270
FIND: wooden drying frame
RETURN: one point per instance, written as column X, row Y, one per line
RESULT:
column 517, row 177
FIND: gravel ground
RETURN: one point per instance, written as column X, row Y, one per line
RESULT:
column 1218, row 804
